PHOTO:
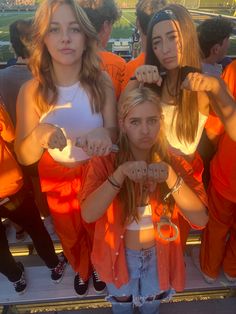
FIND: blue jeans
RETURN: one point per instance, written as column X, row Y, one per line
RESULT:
column 143, row 285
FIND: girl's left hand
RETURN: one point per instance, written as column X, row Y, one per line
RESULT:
column 95, row 143
column 158, row 172
column 200, row 83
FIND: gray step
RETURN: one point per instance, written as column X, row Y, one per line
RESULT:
column 11, row 236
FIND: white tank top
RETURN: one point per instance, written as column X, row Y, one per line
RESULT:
column 74, row 116
column 145, row 221
column 180, row 148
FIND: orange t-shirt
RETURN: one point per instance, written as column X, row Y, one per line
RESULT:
column 229, row 76
column 11, row 179
column 223, row 165
column 108, row 255
column 115, row 66
column 131, row 66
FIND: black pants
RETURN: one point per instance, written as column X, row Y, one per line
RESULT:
column 27, row 216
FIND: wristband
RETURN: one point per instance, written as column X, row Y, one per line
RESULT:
column 179, row 182
column 113, row 182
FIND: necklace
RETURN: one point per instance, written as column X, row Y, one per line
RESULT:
column 68, row 94
column 175, row 94
column 177, row 87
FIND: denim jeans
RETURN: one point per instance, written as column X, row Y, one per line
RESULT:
column 143, row 285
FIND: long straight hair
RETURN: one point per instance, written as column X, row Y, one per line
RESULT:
column 187, row 114
column 41, row 64
column 158, row 152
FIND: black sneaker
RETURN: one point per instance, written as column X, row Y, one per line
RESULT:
column 20, row 285
column 99, row 286
column 58, row 272
column 81, row 287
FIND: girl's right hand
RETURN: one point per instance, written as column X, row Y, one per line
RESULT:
column 148, row 74
column 135, row 170
column 50, row 136
column 200, row 82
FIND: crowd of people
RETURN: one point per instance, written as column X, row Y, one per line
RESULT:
column 111, row 154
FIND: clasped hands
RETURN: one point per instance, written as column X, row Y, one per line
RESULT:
column 95, row 143
column 144, row 173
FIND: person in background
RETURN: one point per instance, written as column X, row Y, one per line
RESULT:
column 103, row 14
column 221, row 228
column 65, row 115
column 213, row 35
column 18, row 205
column 144, row 13
column 11, row 79
column 134, row 196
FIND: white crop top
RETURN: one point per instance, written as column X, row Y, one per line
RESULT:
column 74, row 116
column 145, row 219
column 180, row 148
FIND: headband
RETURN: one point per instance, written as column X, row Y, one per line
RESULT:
column 164, row 15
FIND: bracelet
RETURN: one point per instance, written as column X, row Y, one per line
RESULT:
column 113, row 182
column 179, row 182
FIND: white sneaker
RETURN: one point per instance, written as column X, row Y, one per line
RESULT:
column 208, row 279
column 48, row 223
column 229, row 278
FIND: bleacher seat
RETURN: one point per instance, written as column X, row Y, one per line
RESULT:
column 41, row 290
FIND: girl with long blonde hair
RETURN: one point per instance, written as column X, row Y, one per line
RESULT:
column 134, row 196
column 65, row 115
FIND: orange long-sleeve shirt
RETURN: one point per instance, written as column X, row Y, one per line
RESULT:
column 108, row 255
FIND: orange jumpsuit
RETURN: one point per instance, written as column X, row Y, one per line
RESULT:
column 221, row 228
column 62, row 185
column 115, row 66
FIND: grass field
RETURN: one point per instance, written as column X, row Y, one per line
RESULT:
column 122, row 29
column 5, row 20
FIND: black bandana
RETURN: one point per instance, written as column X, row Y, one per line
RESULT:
column 164, row 15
